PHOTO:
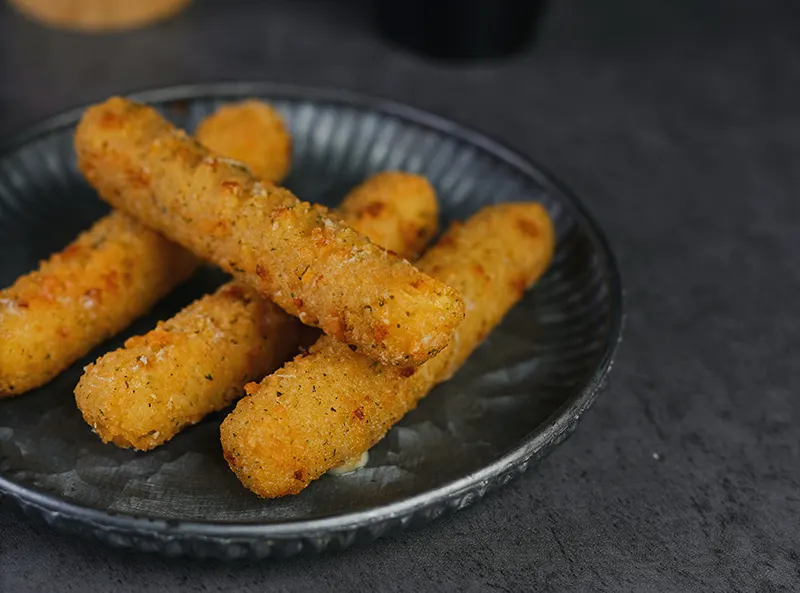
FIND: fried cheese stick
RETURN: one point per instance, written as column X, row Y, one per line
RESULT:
column 332, row 404
column 238, row 131
column 110, row 275
column 293, row 253
column 198, row 362
column 114, row 272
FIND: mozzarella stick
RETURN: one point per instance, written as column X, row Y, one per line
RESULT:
column 332, row 404
column 397, row 211
column 112, row 274
column 293, row 253
column 196, row 363
column 240, row 131
column 251, row 132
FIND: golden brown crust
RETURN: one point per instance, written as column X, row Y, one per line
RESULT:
column 252, row 132
column 142, row 395
column 332, row 404
column 110, row 275
column 367, row 206
column 99, row 15
column 294, row 253
column 189, row 366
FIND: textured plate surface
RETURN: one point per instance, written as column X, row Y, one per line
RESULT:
column 517, row 397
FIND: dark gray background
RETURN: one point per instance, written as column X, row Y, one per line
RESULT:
column 678, row 123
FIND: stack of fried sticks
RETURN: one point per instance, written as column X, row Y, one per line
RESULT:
column 390, row 330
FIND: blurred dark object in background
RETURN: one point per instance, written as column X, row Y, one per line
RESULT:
column 460, row 29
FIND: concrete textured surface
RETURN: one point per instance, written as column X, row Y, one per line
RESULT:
column 678, row 124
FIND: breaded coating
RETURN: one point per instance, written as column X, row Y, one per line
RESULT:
column 142, row 395
column 52, row 317
column 332, row 404
column 378, row 208
column 396, row 210
column 298, row 255
column 110, row 275
column 196, row 363
column 251, row 132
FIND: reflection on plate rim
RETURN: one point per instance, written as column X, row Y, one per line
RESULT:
column 540, row 440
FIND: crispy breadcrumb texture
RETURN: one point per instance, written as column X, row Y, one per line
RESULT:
column 110, row 275
column 73, row 312
column 187, row 367
column 398, row 207
column 331, row 404
column 251, row 132
column 291, row 252
column 198, row 362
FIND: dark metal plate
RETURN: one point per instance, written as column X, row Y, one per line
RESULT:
column 516, row 398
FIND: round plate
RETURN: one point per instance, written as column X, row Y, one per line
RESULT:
column 519, row 395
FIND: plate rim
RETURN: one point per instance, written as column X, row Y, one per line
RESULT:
column 539, row 442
